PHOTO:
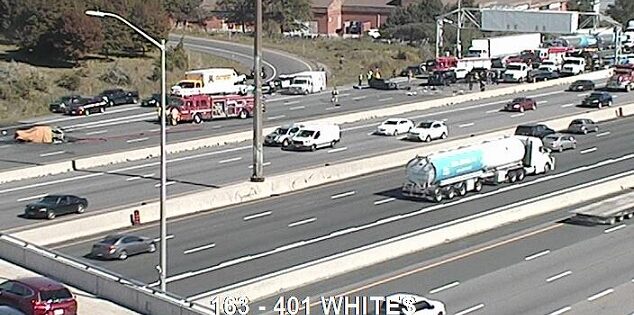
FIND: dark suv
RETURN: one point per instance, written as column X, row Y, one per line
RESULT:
column 597, row 99
column 119, row 97
column 38, row 296
column 533, row 130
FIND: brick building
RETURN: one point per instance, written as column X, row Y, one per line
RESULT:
column 334, row 17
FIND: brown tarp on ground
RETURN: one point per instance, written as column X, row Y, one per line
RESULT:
column 37, row 134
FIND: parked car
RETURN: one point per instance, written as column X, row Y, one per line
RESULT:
column 397, row 303
column 119, row 97
column 383, row 84
column 542, row 75
column 313, row 137
column 51, row 206
column 8, row 310
column 87, row 106
column 152, row 101
column 429, row 130
column 559, row 142
column 520, row 104
column 442, row 77
column 597, row 99
column 533, row 130
column 581, row 85
column 38, row 296
column 60, row 105
column 394, row 126
column 122, row 246
column 583, row 125
column 282, row 135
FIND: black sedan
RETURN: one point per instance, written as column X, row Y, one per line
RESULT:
column 581, row 85
column 542, row 75
column 51, row 206
column 383, row 84
column 597, row 99
column 152, row 101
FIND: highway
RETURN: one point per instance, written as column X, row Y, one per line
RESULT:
column 136, row 182
column 210, row 250
column 546, row 265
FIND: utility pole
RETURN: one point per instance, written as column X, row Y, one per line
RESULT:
column 458, row 31
column 258, row 150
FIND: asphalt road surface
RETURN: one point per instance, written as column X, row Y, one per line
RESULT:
column 130, row 184
column 211, row 250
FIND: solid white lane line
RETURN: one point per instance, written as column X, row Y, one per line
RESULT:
column 385, row 99
column 616, row 228
column 263, row 164
column 167, row 237
column 380, row 202
column 444, row 287
column 302, row 222
column 137, row 140
column 561, row 310
column 346, row 194
column 466, row 125
column 600, row 294
column 297, row 107
column 147, row 175
column 337, row 150
column 200, row 248
column 132, row 178
column 166, row 184
column 52, row 153
column 568, row 105
column 588, row 150
column 359, row 97
column 291, row 102
column 545, row 94
column 492, row 111
column 98, row 132
column 583, row 94
column 8, row 190
column 537, row 255
column 257, row 215
column 517, row 115
column 32, row 197
column 605, row 133
column 471, row 309
column 276, row 117
column 230, row 160
column 559, row 276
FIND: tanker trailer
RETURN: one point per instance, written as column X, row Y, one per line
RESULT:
column 455, row 172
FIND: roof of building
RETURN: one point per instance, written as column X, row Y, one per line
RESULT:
column 510, row 3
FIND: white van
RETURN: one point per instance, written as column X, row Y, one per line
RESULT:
column 313, row 137
column 308, row 82
column 282, row 135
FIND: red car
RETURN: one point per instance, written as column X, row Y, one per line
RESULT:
column 520, row 104
column 38, row 296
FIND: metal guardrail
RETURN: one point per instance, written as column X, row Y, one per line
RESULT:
column 129, row 293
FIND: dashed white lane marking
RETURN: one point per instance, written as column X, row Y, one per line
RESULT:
column 32, row 197
column 167, row 238
column 466, row 125
column 296, row 107
column 559, row 276
column 492, row 111
column 257, row 215
column 166, row 184
column 542, row 102
column 359, row 97
column 337, row 150
column 561, row 310
column 537, row 255
column 385, row 99
column 302, row 222
column 98, row 132
column 200, row 248
column 616, row 228
column 230, row 160
column 568, row 105
column 517, row 115
column 139, row 177
column 380, row 202
column 600, row 294
column 52, row 153
column 605, row 133
column 471, row 309
column 137, row 140
column 588, row 150
column 346, row 194
column 276, row 117
column 263, row 164
column 444, row 287
column 583, row 94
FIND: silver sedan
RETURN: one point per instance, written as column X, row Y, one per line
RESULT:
column 559, row 142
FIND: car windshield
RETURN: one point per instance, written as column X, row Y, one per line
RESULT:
column 306, row 133
column 595, row 95
column 513, row 67
column 300, row 81
column 544, row 68
column 573, row 62
column 49, row 199
column 281, row 131
column 175, row 101
column 186, row 85
column 55, row 295
column 523, row 130
column 577, row 122
column 390, row 122
column 518, row 100
column 425, row 124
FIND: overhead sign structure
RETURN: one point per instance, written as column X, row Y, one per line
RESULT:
column 553, row 22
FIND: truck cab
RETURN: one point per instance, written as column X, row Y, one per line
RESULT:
column 573, row 66
column 516, row 72
column 622, row 79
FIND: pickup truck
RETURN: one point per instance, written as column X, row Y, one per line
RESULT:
column 119, row 97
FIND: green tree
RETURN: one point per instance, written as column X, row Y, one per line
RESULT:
column 75, row 35
column 182, row 10
column 176, row 58
column 622, row 11
column 286, row 13
column 150, row 17
column 240, row 12
column 415, row 22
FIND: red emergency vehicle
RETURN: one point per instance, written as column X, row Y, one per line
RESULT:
column 198, row 108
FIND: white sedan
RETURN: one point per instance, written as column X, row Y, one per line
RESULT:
column 429, row 130
column 395, row 126
column 411, row 304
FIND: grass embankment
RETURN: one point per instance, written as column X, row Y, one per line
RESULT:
column 29, row 86
column 359, row 55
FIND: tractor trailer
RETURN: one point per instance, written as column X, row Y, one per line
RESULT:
column 446, row 175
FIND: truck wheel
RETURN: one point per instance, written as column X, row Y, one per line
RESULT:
column 546, row 168
column 451, row 193
column 333, row 143
column 478, row 186
column 512, row 177
column 198, row 119
column 611, row 221
column 243, row 115
column 437, row 195
column 521, row 175
column 629, row 215
column 305, row 92
column 102, row 110
column 428, row 139
column 462, row 189
column 285, row 143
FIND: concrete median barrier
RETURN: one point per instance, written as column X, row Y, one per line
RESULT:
column 152, row 152
column 274, row 185
column 279, row 282
column 36, row 171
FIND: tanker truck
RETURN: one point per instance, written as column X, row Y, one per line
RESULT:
column 455, row 172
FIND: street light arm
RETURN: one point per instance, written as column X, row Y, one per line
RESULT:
column 132, row 26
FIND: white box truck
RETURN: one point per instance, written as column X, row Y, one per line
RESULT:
column 456, row 172
column 313, row 137
column 308, row 82
column 497, row 47
column 211, row 81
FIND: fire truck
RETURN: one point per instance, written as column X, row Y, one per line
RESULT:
column 198, row 108
column 622, row 79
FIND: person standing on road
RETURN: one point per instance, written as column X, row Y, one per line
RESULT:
column 409, row 76
column 360, row 79
column 335, row 97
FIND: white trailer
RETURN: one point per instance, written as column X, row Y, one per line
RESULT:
column 608, row 211
column 308, row 82
column 498, row 47
column 456, row 172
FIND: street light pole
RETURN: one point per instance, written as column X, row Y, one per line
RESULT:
column 258, row 150
column 163, row 194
